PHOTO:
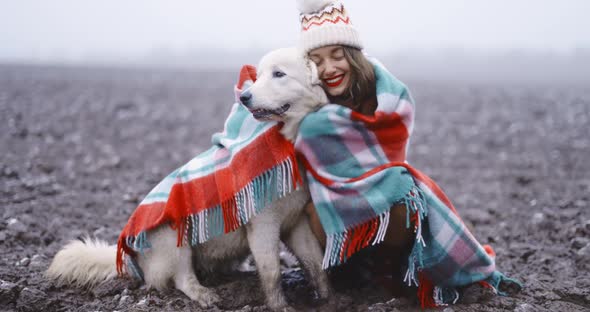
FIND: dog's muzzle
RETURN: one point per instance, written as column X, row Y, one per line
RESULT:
column 246, row 98
column 263, row 113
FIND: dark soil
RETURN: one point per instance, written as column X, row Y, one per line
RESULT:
column 81, row 146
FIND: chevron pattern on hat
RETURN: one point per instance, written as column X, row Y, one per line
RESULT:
column 331, row 14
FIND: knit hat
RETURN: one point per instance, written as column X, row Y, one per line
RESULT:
column 325, row 22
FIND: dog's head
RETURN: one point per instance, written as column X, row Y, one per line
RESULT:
column 287, row 87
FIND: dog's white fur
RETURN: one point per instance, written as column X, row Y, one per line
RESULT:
column 91, row 262
column 299, row 87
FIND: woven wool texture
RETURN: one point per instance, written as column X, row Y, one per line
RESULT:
column 357, row 170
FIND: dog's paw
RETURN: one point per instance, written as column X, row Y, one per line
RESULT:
column 204, row 296
column 323, row 292
column 279, row 303
column 318, row 299
column 207, row 298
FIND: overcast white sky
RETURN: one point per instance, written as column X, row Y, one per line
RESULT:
column 80, row 30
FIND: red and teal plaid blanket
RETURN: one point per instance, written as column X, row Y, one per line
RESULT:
column 357, row 169
column 249, row 165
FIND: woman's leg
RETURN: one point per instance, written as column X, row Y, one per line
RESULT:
column 315, row 224
column 389, row 257
column 393, row 252
column 398, row 235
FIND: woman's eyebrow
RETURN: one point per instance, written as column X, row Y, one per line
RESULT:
column 336, row 50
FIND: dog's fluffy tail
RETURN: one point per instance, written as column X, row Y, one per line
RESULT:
column 83, row 263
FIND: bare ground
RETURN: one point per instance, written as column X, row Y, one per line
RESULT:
column 81, row 146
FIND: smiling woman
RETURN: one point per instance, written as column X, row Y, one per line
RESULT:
column 333, row 68
column 364, row 191
column 347, row 76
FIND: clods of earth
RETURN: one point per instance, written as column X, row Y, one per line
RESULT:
column 82, row 146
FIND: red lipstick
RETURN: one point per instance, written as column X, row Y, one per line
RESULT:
column 334, row 81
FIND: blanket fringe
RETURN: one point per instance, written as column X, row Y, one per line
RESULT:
column 431, row 296
column 341, row 246
column 245, row 204
column 226, row 217
column 416, row 213
column 501, row 285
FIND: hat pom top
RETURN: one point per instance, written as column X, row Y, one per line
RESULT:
column 312, row 6
column 324, row 23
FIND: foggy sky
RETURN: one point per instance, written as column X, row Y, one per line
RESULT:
column 83, row 30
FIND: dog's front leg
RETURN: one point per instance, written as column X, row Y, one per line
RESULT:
column 306, row 248
column 264, row 245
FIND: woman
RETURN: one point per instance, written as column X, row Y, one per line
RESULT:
column 364, row 192
column 338, row 67
column 349, row 80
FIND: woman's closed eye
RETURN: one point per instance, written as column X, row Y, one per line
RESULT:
column 338, row 55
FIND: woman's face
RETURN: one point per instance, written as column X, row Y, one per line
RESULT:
column 333, row 68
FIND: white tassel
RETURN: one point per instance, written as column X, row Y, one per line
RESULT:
column 379, row 230
column 382, row 230
column 242, row 211
column 456, row 296
column 328, row 252
column 407, row 277
column 410, row 278
column 384, row 225
column 203, row 235
column 248, row 197
column 287, row 177
column 289, row 170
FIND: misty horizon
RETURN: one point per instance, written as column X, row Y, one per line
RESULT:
column 458, row 38
column 516, row 66
column 114, row 31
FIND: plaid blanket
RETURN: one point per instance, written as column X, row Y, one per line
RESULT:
column 249, row 165
column 357, row 169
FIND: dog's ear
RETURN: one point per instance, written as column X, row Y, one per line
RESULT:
column 315, row 82
column 314, row 77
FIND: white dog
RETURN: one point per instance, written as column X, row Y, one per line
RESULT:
column 287, row 88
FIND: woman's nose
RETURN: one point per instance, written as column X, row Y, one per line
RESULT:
column 329, row 68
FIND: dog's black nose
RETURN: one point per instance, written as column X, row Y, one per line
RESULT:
column 245, row 98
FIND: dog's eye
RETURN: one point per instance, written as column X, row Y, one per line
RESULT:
column 278, row 74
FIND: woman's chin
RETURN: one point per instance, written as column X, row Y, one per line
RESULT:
column 339, row 98
column 335, row 93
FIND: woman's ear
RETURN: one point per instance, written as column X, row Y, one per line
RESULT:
column 314, row 77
